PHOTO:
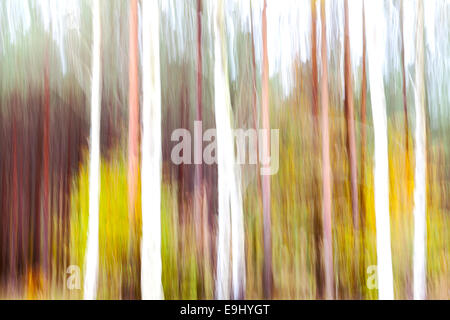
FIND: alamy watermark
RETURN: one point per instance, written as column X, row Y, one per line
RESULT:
column 73, row 281
column 372, row 279
column 248, row 141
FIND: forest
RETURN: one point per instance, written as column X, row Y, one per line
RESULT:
column 225, row 149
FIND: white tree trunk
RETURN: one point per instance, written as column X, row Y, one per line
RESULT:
column 151, row 266
column 91, row 257
column 420, row 172
column 231, row 220
column 374, row 11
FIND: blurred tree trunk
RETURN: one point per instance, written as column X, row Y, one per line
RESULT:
column 405, row 106
column 373, row 12
column 317, row 222
column 133, row 141
column 231, row 219
column 133, row 114
column 326, row 167
column 349, row 115
column 267, row 232
column 91, row 270
column 420, row 223
column 46, row 146
column 363, row 182
column 254, row 99
column 351, row 144
column 151, row 264
column 201, row 215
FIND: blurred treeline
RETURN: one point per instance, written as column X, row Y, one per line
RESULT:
column 44, row 124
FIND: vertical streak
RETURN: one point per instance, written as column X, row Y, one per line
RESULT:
column 133, row 115
column 90, row 281
column 363, row 152
column 420, row 172
column 405, row 106
column 229, row 176
column 381, row 169
column 151, row 265
column 317, row 222
column 267, row 233
column 224, row 219
column 326, row 167
column 349, row 113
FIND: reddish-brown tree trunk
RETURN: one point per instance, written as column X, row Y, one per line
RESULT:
column 133, row 111
column 351, row 144
column 133, row 139
column 317, row 222
column 201, row 215
column 267, row 271
column 254, row 99
column 363, row 154
column 326, row 167
column 349, row 114
column 46, row 151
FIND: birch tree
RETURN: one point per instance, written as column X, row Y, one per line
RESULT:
column 373, row 12
column 91, row 271
column 231, row 220
column 151, row 265
column 420, row 171
column 326, row 166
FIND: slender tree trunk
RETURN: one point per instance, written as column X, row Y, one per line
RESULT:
column 133, row 114
column 151, row 265
column 317, row 222
column 315, row 77
column 91, row 270
column 254, row 99
column 381, row 169
column 351, row 144
column 229, row 177
column 363, row 156
column 133, row 144
column 46, row 165
column 349, row 114
column 420, row 224
column 267, row 232
column 405, row 106
column 326, row 167
column 200, row 218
